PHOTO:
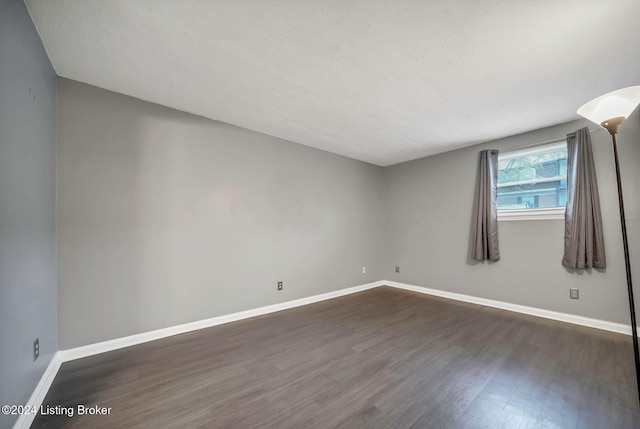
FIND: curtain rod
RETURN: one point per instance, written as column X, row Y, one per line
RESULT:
column 556, row 140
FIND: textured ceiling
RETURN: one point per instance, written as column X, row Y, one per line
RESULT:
column 383, row 81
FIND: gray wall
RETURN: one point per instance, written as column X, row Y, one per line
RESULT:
column 429, row 204
column 166, row 218
column 27, row 206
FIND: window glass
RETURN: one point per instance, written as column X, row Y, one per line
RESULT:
column 533, row 178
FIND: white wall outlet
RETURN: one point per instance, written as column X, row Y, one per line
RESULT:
column 364, row 270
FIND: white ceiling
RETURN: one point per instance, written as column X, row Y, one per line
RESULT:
column 383, row 81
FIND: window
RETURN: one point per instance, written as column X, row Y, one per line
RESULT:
column 532, row 183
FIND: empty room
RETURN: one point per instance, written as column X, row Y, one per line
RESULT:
column 319, row 214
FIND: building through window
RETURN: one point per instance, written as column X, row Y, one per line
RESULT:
column 533, row 178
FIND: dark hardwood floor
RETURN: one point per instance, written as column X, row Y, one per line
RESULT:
column 383, row 358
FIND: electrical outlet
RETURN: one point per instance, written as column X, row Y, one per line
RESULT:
column 364, row 270
column 397, row 269
column 36, row 349
column 280, row 286
column 574, row 293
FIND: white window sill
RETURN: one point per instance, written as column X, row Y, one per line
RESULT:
column 531, row 214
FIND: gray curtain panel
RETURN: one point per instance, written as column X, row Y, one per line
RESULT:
column 583, row 237
column 484, row 246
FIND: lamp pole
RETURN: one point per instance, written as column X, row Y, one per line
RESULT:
column 612, row 126
column 610, row 110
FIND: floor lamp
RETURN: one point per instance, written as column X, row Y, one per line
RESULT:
column 609, row 111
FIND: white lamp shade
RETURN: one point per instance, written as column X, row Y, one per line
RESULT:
column 615, row 104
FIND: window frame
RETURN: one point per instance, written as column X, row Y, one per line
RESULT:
column 552, row 213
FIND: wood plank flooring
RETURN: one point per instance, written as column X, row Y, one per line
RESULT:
column 382, row 358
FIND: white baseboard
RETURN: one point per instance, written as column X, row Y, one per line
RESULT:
column 533, row 311
column 35, row 401
column 118, row 343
